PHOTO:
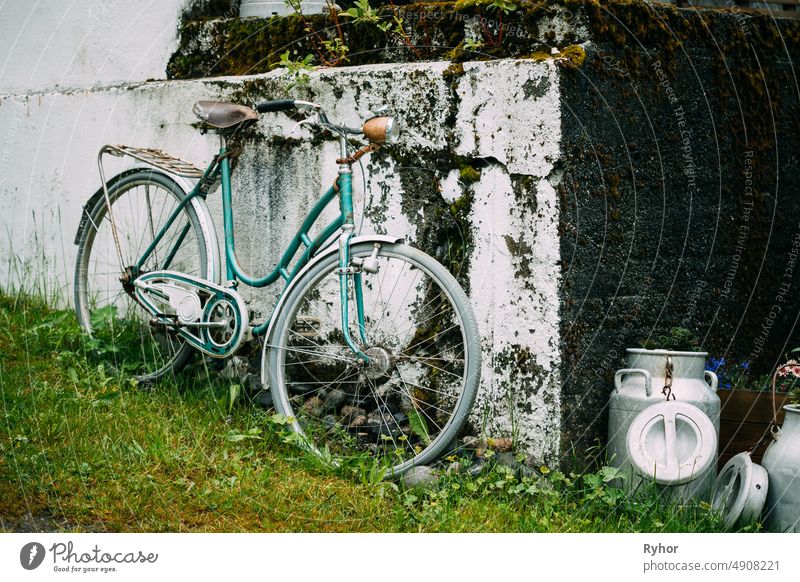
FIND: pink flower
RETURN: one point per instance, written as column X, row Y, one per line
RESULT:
column 790, row 367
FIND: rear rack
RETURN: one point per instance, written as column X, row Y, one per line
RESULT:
column 152, row 157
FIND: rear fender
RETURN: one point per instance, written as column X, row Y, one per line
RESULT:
column 198, row 203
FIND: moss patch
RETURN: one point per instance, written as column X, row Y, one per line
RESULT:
column 441, row 30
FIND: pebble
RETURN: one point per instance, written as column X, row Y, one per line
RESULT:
column 477, row 468
column 349, row 412
column 471, row 442
column 252, row 384
column 234, row 369
column 357, row 421
column 525, row 471
column 334, row 400
column 265, row 398
column 507, row 460
column 314, row 406
column 501, row 445
column 419, row 476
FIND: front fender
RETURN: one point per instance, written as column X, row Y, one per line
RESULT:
column 326, row 252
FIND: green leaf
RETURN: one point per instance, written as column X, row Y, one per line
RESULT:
column 279, row 419
column 233, row 395
column 418, row 426
column 235, row 437
column 102, row 318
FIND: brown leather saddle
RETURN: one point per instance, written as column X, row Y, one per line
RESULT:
column 223, row 115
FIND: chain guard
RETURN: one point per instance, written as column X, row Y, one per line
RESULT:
column 180, row 302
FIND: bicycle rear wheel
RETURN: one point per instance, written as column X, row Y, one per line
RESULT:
column 410, row 402
column 119, row 326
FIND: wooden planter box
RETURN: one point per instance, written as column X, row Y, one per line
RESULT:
column 744, row 418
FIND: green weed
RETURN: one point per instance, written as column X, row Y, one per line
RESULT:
column 83, row 448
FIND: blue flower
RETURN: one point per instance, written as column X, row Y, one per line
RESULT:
column 715, row 364
column 745, row 366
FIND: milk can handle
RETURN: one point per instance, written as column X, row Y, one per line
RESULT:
column 714, row 380
column 648, row 380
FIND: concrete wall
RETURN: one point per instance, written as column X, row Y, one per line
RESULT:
column 85, row 43
column 638, row 174
column 679, row 201
column 503, row 227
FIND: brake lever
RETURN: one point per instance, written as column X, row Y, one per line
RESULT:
column 303, row 122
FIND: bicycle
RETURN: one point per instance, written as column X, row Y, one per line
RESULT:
column 372, row 346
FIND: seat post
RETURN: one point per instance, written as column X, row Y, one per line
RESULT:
column 223, row 141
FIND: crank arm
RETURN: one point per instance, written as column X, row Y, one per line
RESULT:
column 209, row 324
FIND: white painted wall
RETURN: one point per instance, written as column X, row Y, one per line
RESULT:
column 47, row 44
column 48, row 170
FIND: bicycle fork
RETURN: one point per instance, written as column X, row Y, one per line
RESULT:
column 347, row 268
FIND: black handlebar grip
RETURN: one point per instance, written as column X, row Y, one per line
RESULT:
column 277, row 105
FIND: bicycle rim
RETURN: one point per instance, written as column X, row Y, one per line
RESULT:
column 407, row 405
column 119, row 328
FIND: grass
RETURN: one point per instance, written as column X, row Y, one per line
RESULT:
column 83, row 450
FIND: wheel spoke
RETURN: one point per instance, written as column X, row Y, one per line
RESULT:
column 118, row 323
column 399, row 407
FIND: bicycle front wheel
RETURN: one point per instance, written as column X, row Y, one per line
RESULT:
column 120, row 328
column 411, row 400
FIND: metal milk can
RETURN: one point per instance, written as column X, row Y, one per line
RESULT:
column 682, row 429
column 268, row 8
column 782, row 462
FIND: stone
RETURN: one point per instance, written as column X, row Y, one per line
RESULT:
column 334, row 400
column 477, row 468
column 471, row 442
column 264, row 399
column 502, row 444
column 235, row 369
column 507, row 460
column 420, row 476
column 357, row 421
column 350, row 412
column 525, row 472
column 252, row 384
column 329, row 421
column 314, row 406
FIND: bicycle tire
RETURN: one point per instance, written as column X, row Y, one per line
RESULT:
column 114, row 338
column 426, row 397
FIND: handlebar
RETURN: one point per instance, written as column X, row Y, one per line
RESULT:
column 276, row 105
column 287, row 104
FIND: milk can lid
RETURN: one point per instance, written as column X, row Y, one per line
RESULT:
column 740, row 490
column 672, row 443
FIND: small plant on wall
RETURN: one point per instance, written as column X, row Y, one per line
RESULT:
column 679, row 339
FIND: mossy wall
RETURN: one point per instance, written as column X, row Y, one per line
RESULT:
column 429, row 31
column 677, row 172
column 679, row 205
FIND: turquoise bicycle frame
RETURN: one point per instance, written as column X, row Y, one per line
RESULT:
column 220, row 168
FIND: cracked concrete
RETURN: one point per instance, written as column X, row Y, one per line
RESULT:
column 457, row 191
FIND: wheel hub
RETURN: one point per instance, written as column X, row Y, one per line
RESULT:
column 380, row 363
